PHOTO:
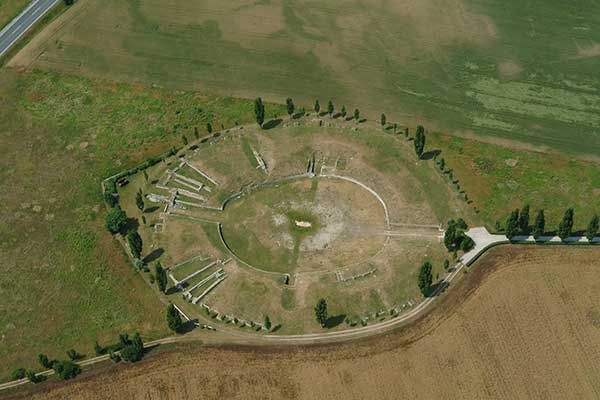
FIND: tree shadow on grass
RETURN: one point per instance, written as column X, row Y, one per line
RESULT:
column 438, row 288
column 171, row 290
column 272, row 123
column 298, row 115
column 155, row 254
column 131, row 225
column 151, row 209
column 428, row 155
column 334, row 321
column 276, row 328
column 188, row 326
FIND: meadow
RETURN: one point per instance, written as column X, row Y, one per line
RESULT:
column 487, row 69
column 65, row 282
column 10, row 9
column 499, row 179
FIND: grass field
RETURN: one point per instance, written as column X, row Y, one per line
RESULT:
column 10, row 9
column 499, row 179
column 484, row 68
column 65, row 282
column 540, row 342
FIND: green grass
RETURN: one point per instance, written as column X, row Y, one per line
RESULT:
column 517, row 71
column 69, row 283
column 500, row 179
column 288, row 300
column 247, row 148
column 9, row 9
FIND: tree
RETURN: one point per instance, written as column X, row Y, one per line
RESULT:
column 145, row 175
column 69, row 2
column 133, row 350
column 343, row 112
column 267, row 322
column 196, row 133
column 44, row 361
column 565, row 227
column 114, row 357
column 321, row 312
column 115, row 220
column 317, row 106
column 18, row 373
column 450, row 235
column 356, row 114
column 425, row 278
column 512, row 225
column 66, row 369
column 442, row 164
column 395, row 125
column 174, row 319
column 420, row 141
column 73, row 354
column 124, row 339
column 383, row 120
column 184, row 139
column 290, row 106
column 524, row 220
column 454, row 236
column 209, row 128
column 592, row 228
column 34, row 378
column 161, row 277
column 446, row 264
column 135, row 244
column 466, row 243
column 99, row 350
column 259, row 111
column 330, row 108
column 539, row 225
column 139, row 201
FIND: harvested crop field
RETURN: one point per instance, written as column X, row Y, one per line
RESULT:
column 523, row 323
column 482, row 67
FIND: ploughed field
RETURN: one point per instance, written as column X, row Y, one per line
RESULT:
column 523, row 323
column 483, row 68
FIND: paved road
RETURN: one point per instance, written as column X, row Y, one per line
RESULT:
column 23, row 22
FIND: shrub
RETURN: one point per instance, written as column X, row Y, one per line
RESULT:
column 153, row 161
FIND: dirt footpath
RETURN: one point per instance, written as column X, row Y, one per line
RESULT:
column 523, row 323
